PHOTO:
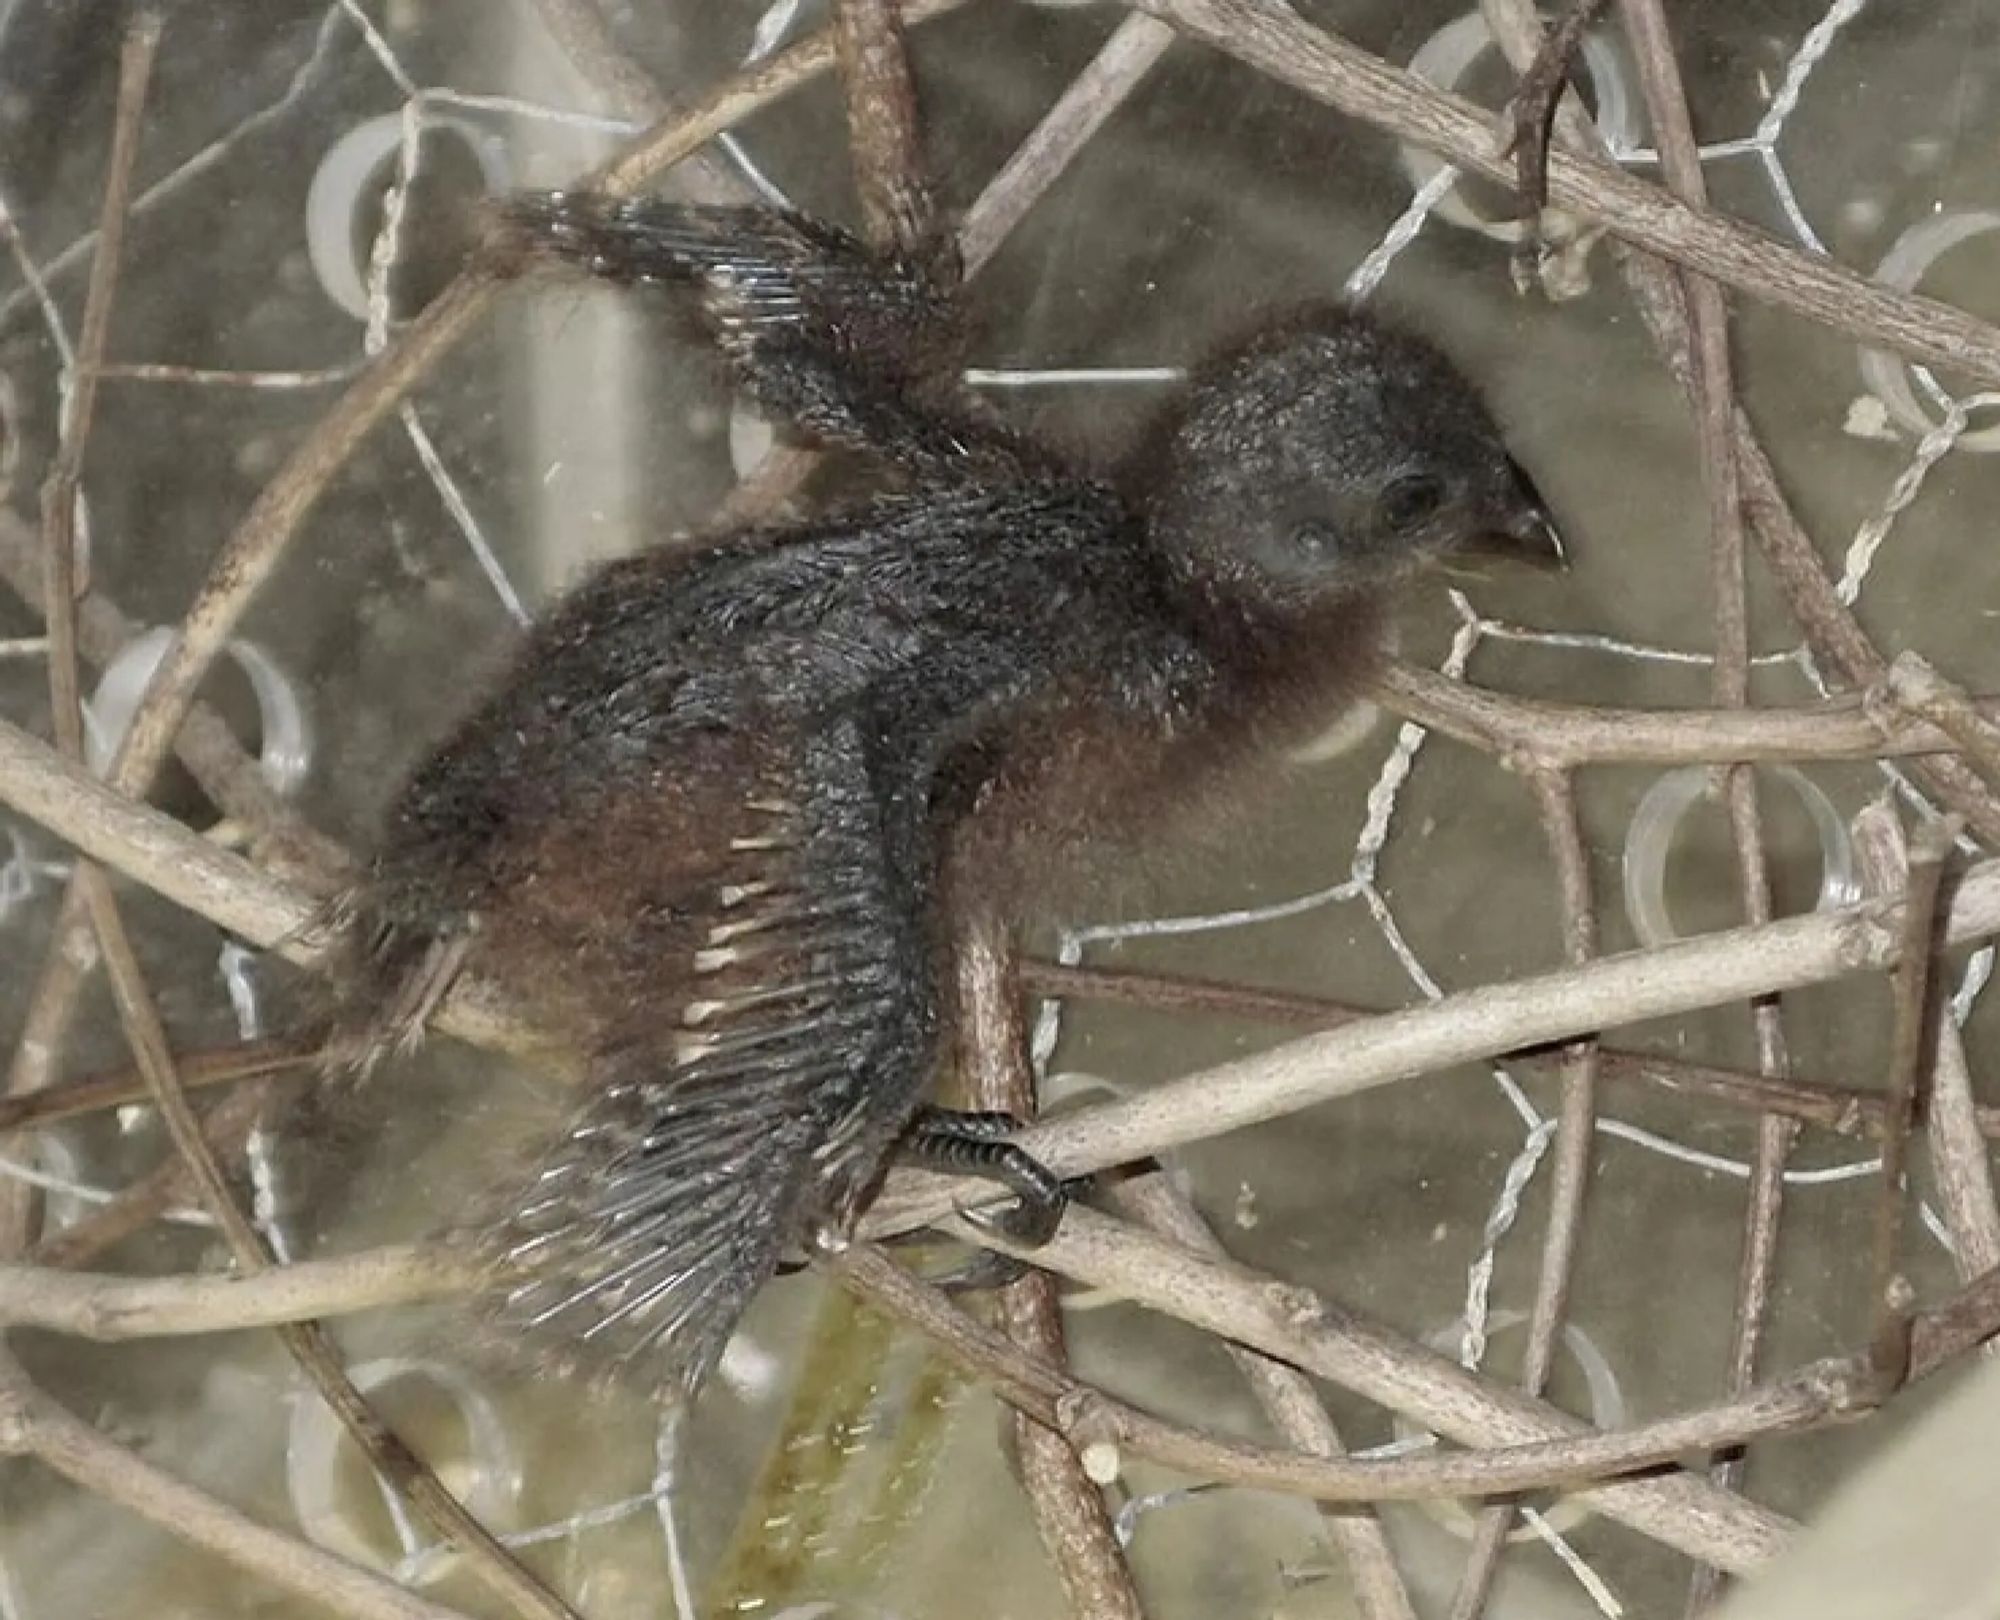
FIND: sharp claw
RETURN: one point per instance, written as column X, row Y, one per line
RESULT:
column 1028, row 1221
column 985, row 1270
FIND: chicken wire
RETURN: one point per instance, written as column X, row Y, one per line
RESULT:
column 307, row 179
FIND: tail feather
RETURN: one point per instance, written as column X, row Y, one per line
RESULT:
column 664, row 1208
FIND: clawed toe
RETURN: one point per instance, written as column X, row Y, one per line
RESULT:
column 944, row 1140
column 1031, row 1219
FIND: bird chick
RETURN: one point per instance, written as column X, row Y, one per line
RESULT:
column 707, row 822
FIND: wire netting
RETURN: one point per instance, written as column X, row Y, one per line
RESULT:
column 308, row 179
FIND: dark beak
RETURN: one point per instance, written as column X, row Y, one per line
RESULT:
column 1527, row 534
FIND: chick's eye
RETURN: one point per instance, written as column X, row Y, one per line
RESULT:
column 1411, row 501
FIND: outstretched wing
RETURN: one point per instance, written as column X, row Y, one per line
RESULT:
column 757, row 1090
column 856, row 348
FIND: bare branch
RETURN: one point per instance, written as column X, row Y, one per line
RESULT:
column 32, row 1425
column 1277, row 41
column 1713, row 970
column 1067, row 1504
column 111, row 1308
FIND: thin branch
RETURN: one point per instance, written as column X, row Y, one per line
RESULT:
column 1913, row 685
column 1712, row 391
column 1910, row 1051
column 882, row 125
column 1067, row 1505
column 1289, row 1401
column 62, row 575
column 1576, row 1134
column 1958, row 1154
column 115, row 1308
column 154, row 849
column 1311, row 1332
column 1468, row 1027
column 1538, row 92
column 111, row 1308
column 206, row 745
column 1946, row 1331
column 65, row 478
column 1561, row 735
column 33, row 1425
column 1277, row 41
column 1844, row 1110
column 1104, row 85
column 248, row 1060
column 1050, row 1396
column 1710, row 971
column 583, row 34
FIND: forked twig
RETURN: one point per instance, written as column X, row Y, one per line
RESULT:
column 1912, row 1048
column 1958, row 1153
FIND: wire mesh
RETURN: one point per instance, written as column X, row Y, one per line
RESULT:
column 309, row 179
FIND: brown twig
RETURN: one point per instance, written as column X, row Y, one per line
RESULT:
column 112, row 1308
column 1952, row 1120
column 1277, row 41
column 882, row 127
column 1103, row 86
column 1289, row 1401
column 1910, row 1052
column 246, row 1061
column 1946, row 1331
column 280, row 837
column 154, row 849
column 33, row 1425
column 1465, row 1027
column 1825, row 1391
column 1560, row 735
column 1067, row 1506
column 1712, row 391
column 1311, row 1332
column 1711, row 971
column 226, row 1127
column 584, row 35
column 62, row 577
column 1538, row 92
column 1844, row 1110
column 1576, row 1130
column 65, row 478
column 1913, row 685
